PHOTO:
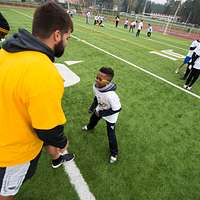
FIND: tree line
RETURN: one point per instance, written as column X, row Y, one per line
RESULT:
column 188, row 10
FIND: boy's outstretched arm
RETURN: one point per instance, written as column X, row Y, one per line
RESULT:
column 93, row 105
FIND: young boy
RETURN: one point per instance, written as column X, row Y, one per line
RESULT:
column 126, row 23
column 132, row 26
column 139, row 28
column 149, row 30
column 106, row 105
column 117, row 21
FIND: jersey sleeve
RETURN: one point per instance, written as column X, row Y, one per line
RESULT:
column 114, row 101
column 197, row 50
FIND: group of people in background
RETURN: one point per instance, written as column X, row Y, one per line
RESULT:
column 130, row 25
column 134, row 24
column 98, row 20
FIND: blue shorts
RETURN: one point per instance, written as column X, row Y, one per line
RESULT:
column 187, row 59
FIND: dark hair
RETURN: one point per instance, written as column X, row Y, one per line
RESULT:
column 107, row 70
column 50, row 17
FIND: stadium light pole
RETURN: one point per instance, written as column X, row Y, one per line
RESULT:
column 145, row 5
column 175, row 14
column 68, row 4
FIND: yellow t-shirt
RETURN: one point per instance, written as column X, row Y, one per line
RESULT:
column 31, row 90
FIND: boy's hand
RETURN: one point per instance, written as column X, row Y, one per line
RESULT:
column 90, row 111
column 97, row 113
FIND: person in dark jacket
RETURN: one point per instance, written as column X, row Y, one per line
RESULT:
column 106, row 105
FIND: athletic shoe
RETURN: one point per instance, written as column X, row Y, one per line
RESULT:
column 84, row 128
column 113, row 159
column 63, row 158
column 189, row 88
column 185, row 86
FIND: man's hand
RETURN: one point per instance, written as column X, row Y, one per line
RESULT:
column 55, row 151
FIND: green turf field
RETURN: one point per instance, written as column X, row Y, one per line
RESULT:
column 158, row 127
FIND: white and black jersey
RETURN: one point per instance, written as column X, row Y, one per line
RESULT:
column 193, row 46
column 109, row 105
column 197, row 58
column 140, row 26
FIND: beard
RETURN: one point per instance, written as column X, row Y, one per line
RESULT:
column 59, row 49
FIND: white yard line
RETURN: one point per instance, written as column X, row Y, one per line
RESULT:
column 71, row 169
column 171, row 53
column 21, row 13
column 163, row 55
column 77, row 180
column 140, row 68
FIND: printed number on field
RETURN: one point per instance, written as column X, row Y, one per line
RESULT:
column 169, row 54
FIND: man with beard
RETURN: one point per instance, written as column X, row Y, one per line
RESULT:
column 31, row 89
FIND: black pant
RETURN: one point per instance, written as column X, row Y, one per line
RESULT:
column 116, row 24
column 187, row 72
column 138, row 33
column 149, row 34
column 131, row 29
column 110, row 132
column 193, row 76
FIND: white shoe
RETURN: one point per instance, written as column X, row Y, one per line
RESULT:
column 177, row 71
column 189, row 88
column 185, row 86
column 84, row 128
column 113, row 159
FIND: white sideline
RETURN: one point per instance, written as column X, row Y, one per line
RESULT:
column 71, row 169
column 77, row 180
column 140, row 68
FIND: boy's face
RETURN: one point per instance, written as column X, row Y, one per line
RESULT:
column 102, row 80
